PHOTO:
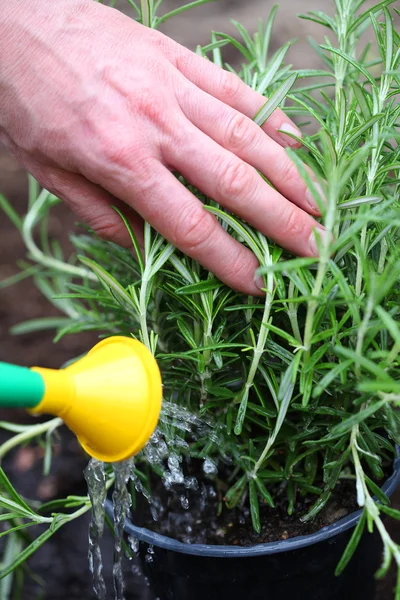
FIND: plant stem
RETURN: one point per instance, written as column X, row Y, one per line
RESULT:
column 207, row 339
column 292, row 314
column 365, row 499
column 260, row 347
column 143, row 310
column 313, row 303
column 32, row 432
column 263, row 333
column 363, row 330
column 145, row 12
column 36, row 254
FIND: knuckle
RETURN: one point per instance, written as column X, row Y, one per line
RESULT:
column 238, row 268
column 178, row 134
column 194, row 229
column 235, row 180
column 144, row 172
column 293, row 225
column 186, row 94
column 182, row 59
column 148, row 104
column 231, row 86
column 114, row 151
column 240, row 133
column 289, row 174
column 117, row 155
column 160, row 42
column 144, row 169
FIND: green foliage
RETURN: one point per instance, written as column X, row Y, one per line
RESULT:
column 303, row 384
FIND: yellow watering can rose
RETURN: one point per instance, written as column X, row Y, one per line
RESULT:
column 111, row 398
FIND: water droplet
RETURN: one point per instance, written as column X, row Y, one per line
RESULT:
column 134, row 544
column 184, row 502
column 149, row 554
column 191, row 483
column 136, row 570
column 209, row 467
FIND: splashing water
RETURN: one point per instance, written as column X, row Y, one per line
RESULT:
column 164, row 451
column 121, row 504
column 96, row 482
column 133, row 544
column 149, row 554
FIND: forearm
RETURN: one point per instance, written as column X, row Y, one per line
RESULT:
column 28, row 33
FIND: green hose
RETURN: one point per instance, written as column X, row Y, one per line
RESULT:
column 20, row 387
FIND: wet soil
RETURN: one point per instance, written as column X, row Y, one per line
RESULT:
column 60, row 566
column 182, row 513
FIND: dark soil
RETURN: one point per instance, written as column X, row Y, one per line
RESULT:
column 233, row 526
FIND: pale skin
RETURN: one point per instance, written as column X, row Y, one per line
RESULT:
column 102, row 111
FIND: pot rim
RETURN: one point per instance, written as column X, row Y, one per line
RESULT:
column 327, row 532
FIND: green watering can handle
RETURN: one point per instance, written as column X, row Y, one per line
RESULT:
column 20, row 387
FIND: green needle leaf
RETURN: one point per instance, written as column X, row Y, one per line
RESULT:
column 275, row 100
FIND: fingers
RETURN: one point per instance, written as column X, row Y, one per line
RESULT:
column 93, row 205
column 229, row 89
column 240, row 135
column 237, row 186
column 180, row 217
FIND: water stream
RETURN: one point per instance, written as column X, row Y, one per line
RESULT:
column 121, row 504
column 96, row 482
column 164, row 451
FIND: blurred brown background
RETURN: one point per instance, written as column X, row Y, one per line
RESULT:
column 62, row 563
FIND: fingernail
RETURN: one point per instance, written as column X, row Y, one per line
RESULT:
column 317, row 239
column 313, row 204
column 293, row 130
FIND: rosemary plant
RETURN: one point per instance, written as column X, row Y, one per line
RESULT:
column 302, row 384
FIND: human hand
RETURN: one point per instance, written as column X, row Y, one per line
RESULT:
column 101, row 109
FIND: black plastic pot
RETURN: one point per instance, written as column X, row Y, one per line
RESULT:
column 300, row 568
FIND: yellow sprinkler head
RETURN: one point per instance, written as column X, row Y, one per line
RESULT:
column 111, row 398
